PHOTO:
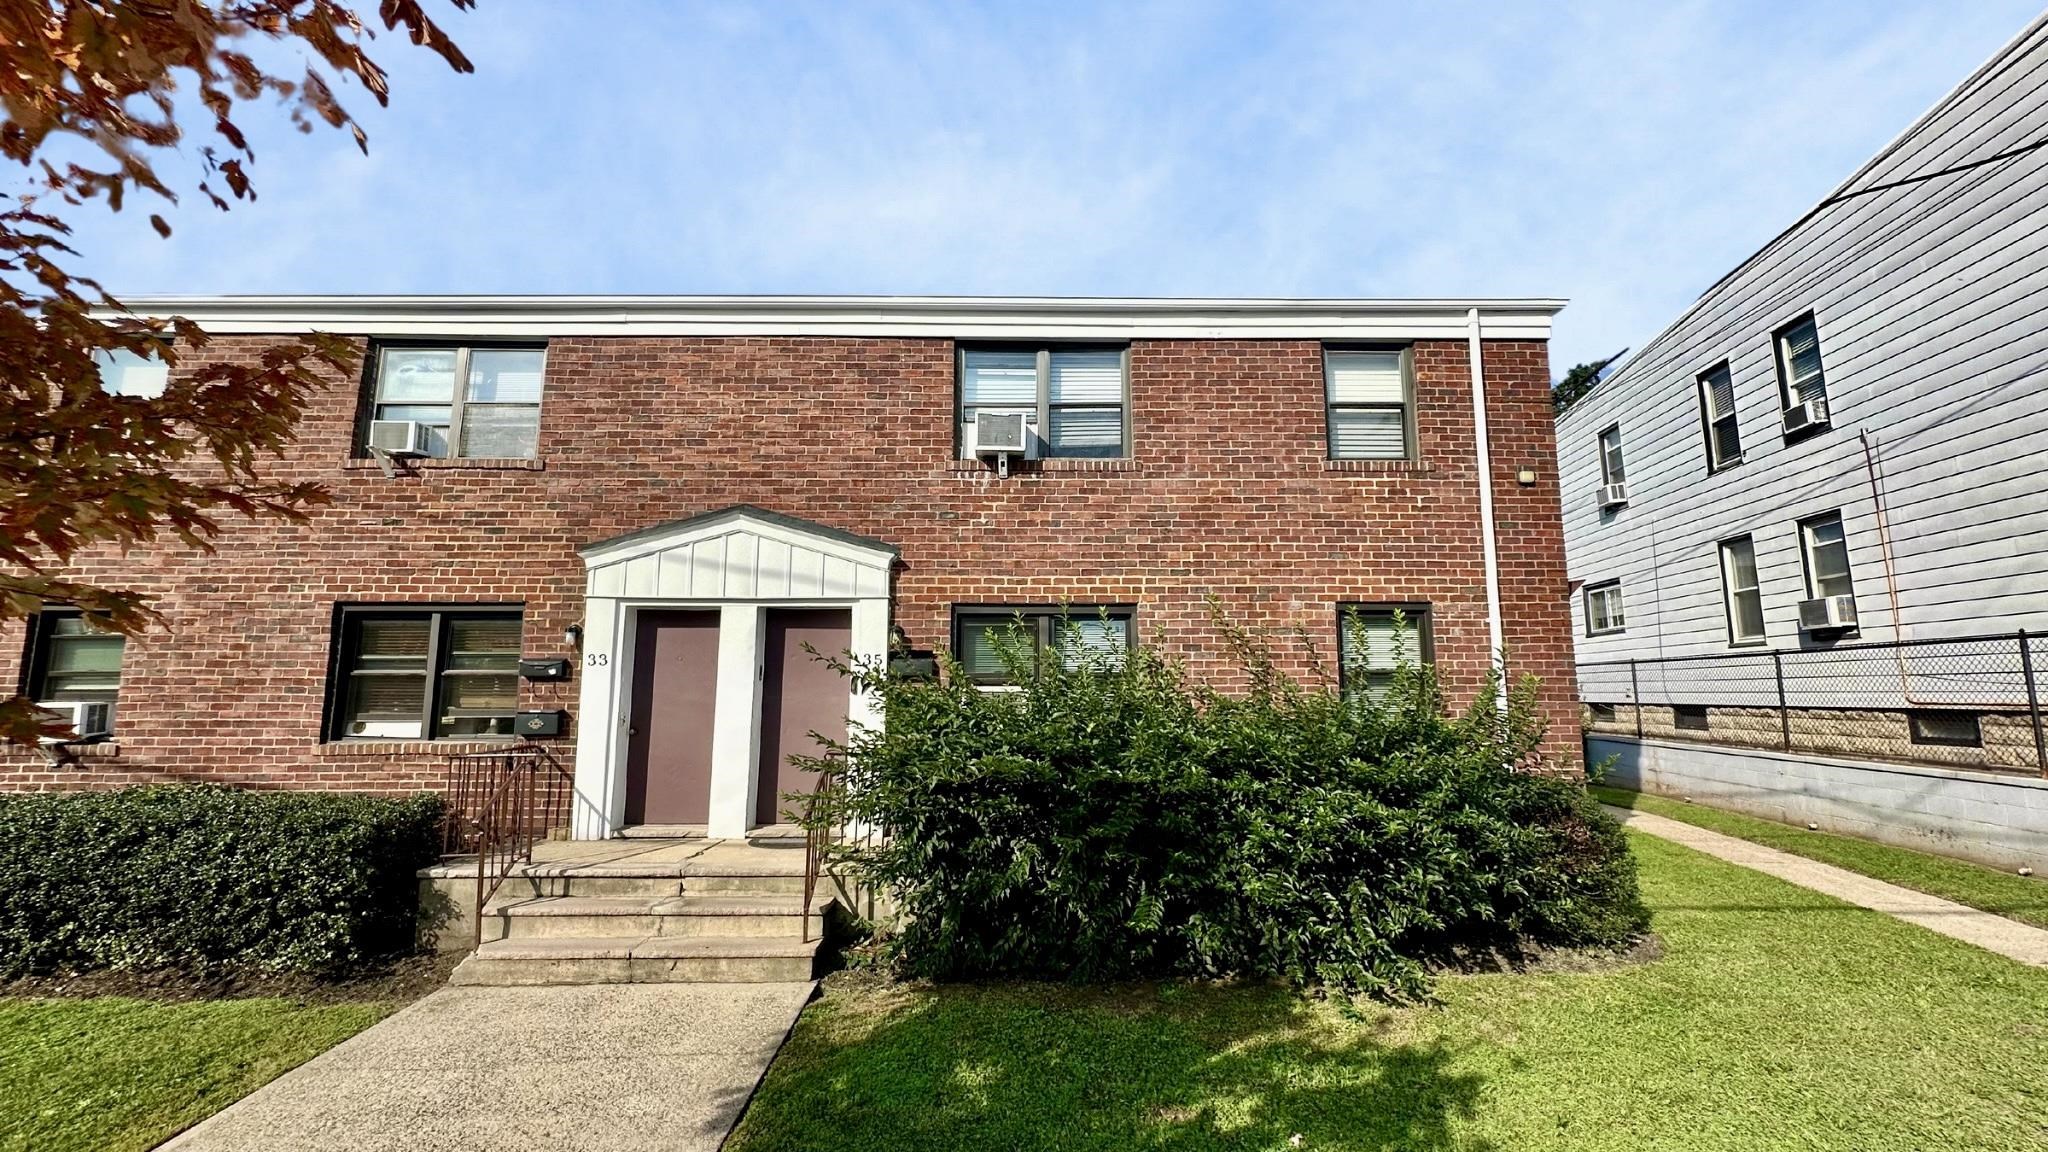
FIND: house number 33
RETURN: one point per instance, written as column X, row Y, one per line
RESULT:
column 597, row 659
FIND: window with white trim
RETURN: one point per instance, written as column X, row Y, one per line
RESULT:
column 425, row 673
column 1369, row 403
column 1800, row 377
column 1741, row 592
column 1824, row 547
column 1717, row 415
column 1603, row 609
column 1374, row 640
column 1075, row 401
column 1611, row 471
column 1085, row 637
column 475, row 401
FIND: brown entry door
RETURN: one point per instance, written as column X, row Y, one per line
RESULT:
column 799, row 696
column 668, row 754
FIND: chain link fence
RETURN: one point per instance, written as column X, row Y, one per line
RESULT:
column 1972, row 702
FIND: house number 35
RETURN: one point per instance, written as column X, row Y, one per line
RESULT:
column 597, row 659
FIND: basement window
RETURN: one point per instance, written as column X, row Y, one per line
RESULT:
column 1953, row 729
column 1602, row 713
column 425, row 673
column 1689, row 717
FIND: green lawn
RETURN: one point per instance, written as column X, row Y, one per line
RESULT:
column 2022, row 898
column 107, row 1074
column 1777, row 1019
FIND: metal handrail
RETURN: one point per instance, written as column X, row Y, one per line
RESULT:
column 499, row 804
column 818, row 839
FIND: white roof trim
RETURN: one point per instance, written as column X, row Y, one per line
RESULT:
column 959, row 317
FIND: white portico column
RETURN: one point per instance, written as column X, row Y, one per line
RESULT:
column 736, row 726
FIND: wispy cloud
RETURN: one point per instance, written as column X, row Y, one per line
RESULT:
column 1620, row 154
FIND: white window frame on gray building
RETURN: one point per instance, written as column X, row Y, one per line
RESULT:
column 1604, row 605
column 1713, row 416
column 1735, row 594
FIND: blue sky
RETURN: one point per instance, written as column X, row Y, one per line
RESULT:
column 1620, row 154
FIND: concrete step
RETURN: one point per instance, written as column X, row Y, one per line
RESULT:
column 611, row 916
column 534, row 880
column 639, row 960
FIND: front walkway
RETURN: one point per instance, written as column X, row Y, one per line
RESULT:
column 617, row 1067
column 2021, row 942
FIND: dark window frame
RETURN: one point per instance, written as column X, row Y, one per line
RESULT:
column 341, row 649
column 1682, row 718
column 1614, row 586
column 1411, row 445
column 367, row 402
column 1421, row 623
column 1043, row 350
column 1703, row 393
column 35, row 654
column 1785, row 398
column 1918, row 735
column 1609, row 715
column 1041, row 618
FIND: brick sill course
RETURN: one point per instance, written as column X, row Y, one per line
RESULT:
column 370, row 749
column 1034, row 467
column 1382, row 466
column 446, row 464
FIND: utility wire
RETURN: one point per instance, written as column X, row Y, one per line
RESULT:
column 1937, row 174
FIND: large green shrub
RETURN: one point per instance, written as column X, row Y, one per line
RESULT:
column 207, row 878
column 1112, row 821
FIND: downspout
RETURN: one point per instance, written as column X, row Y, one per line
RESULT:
column 1487, row 548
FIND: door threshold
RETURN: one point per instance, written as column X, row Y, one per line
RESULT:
column 662, row 832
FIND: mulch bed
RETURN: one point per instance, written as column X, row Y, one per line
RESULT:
column 407, row 978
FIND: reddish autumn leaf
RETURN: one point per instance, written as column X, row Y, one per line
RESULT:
column 79, row 468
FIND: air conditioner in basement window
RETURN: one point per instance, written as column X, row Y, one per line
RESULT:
column 403, row 438
column 92, row 720
column 1807, row 414
column 1827, row 614
column 1613, row 495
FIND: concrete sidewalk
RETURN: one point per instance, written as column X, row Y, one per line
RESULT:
column 617, row 1067
column 2021, row 942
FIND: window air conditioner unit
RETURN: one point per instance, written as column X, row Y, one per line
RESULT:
column 400, row 438
column 1827, row 614
column 1613, row 495
column 1001, row 435
column 1806, row 414
column 92, row 720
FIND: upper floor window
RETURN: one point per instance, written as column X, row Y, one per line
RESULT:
column 1741, row 592
column 125, row 373
column 1825, row 549
column 469, row 401
column 1717, row 414
column 1611, row 471
column 1374, row 640
column 73, row 660
column 1603, row 609
column 1083, row 637
column 1369, row 402
column 425, row 673
column 1800, row 378
column 1075, row 401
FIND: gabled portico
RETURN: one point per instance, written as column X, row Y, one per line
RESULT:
column 681, row 623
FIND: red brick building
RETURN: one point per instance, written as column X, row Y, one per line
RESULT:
column 673, row 494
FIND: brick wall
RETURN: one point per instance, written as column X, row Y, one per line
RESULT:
column 1227, row 496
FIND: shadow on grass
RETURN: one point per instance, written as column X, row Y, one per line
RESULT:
column 1035, row 1067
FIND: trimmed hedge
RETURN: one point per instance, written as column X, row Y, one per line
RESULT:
column 207, row 878
column 1117, row 821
